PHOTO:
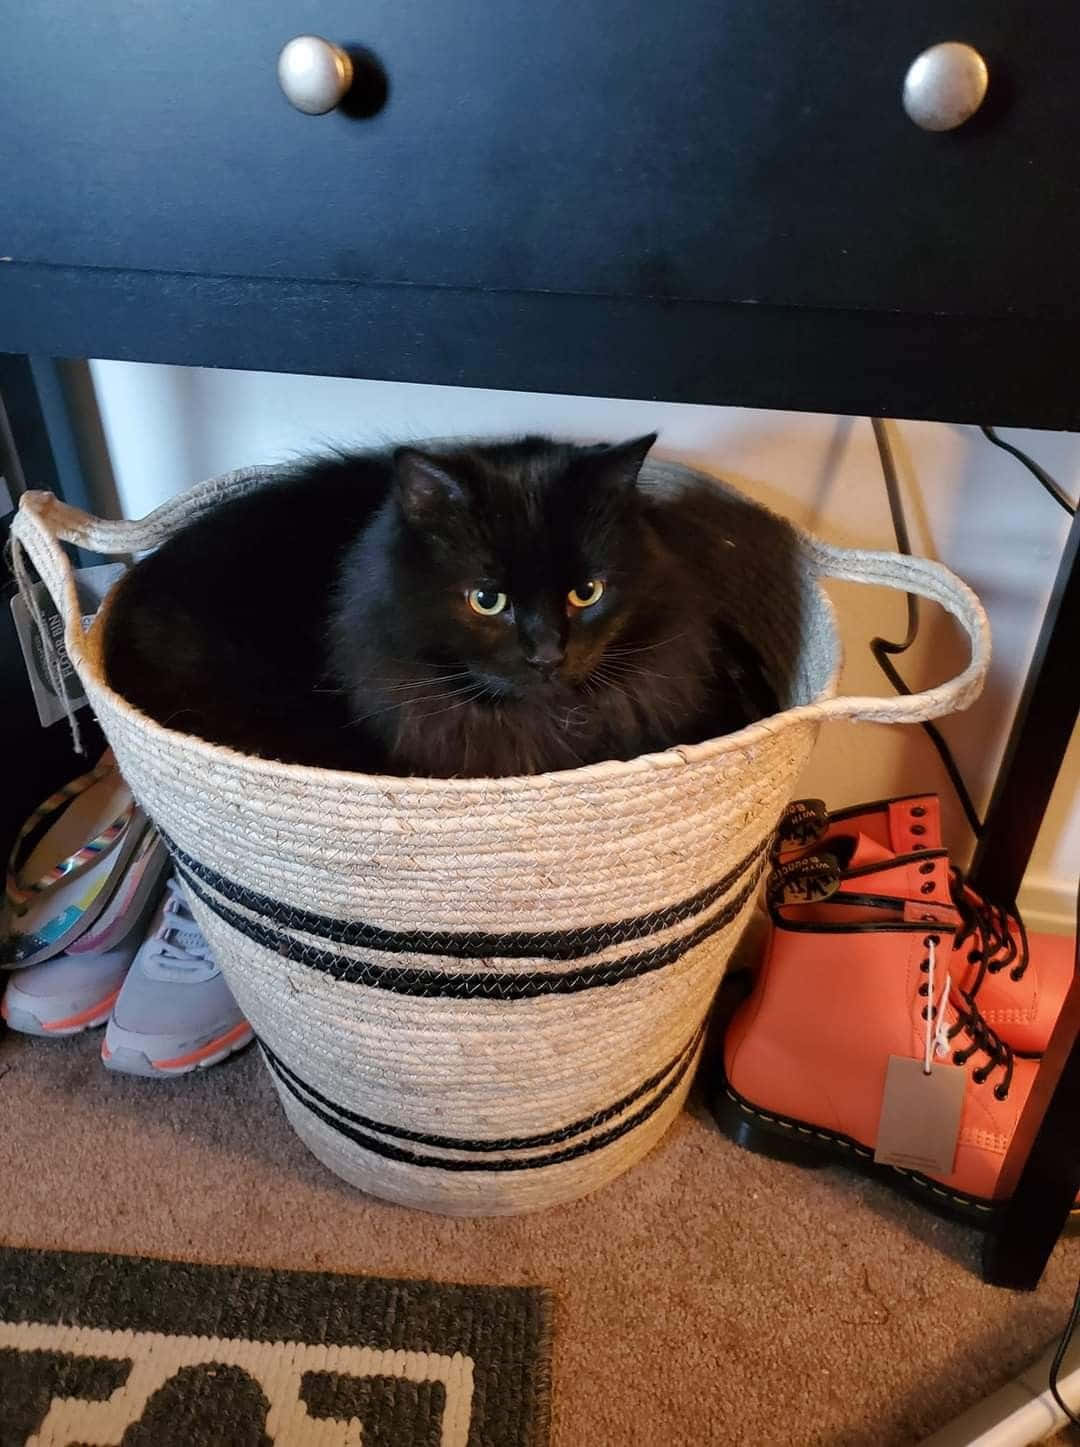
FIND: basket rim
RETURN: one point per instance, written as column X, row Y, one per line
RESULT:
column 605, row 771
column 43, row 522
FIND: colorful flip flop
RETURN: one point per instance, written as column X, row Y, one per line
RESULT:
column 142, row 880
column 63, row 873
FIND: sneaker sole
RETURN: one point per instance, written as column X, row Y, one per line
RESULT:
column 22, row 1018
column 129, row 1060
column 786, row 1139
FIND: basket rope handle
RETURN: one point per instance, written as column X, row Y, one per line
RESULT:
column 929, row 580
column 43, row 521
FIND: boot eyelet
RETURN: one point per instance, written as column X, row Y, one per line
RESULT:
column 979, row 1077
column 932, row 940
column 919, row 846
column 1017, row 974
column 924, row 965
column 918, row 811
column 927, row 888
column 924, row 988
column 1001, row 1092
column 926, row 868
column 960, row 1057
column 974, row 956
column 925, row 1013
column 918, row 828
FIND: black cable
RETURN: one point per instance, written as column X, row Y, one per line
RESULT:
column 882, row 648
column 1059, row 1357
column 1053, row 488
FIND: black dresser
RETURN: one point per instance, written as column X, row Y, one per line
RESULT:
column 716, row 201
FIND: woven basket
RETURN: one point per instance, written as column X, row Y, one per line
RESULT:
column 488, row 995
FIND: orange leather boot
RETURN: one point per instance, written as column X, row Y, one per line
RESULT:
column 845, row 984
column 1017, row 981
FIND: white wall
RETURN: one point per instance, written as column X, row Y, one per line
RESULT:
column 968, row 504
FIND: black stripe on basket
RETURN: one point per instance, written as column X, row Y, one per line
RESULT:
column 474, row 984
column 568, row 944
column 506, row 1143
column 454, row 1163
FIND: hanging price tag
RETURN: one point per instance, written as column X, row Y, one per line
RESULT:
column 920, row 1116
column 92, row 584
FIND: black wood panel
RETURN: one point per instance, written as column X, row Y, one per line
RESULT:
column 713, row 149
column 1040, row 1175
column 1045, row 719
column 1004, row 369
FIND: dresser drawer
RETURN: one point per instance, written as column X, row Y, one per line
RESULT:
column 751, row 152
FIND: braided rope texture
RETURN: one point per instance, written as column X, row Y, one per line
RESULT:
column 484, row 996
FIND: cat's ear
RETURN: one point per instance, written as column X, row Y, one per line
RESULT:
column 617, row 467
column 426, row 491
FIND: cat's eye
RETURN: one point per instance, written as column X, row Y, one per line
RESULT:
column 587, row 593
column 486, row 601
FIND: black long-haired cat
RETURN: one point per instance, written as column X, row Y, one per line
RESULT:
column 483, row 609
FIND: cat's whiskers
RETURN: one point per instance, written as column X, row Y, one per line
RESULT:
column 662, row 703
column 603, row 681
column 413, row 702
column 609, row 671
column 620, row 669
column 472, row 698
column 615, row 651
column 575, row 716
column 387, row 687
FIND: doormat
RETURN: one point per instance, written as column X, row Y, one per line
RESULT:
column 121, row 1351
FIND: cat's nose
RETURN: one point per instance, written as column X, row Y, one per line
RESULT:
column 546, row 658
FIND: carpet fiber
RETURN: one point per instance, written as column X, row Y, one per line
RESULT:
column 108, row 1348
column 709, row 1297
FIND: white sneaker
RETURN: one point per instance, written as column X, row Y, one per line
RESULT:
column 69, row 994
column 76, row 990
column 174, row 1012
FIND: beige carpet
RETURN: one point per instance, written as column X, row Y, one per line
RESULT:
column 710, row 1297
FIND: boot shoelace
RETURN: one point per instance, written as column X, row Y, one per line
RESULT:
column 981, row 1037
column 937, row 1037
column 987, row 926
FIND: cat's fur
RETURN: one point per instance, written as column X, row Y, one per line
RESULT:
column 325, row 618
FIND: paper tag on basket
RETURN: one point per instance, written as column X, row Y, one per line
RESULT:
column 91, row 584
column 920, row 1116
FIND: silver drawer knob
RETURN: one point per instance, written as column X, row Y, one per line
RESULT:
column 314, row 74
column 945, row 86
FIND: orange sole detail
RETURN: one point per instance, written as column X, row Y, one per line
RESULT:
column 238, row 1032
column 84, row 1015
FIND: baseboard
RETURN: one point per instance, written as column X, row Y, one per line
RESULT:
column 1048, row 905
column 1021, row 1412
